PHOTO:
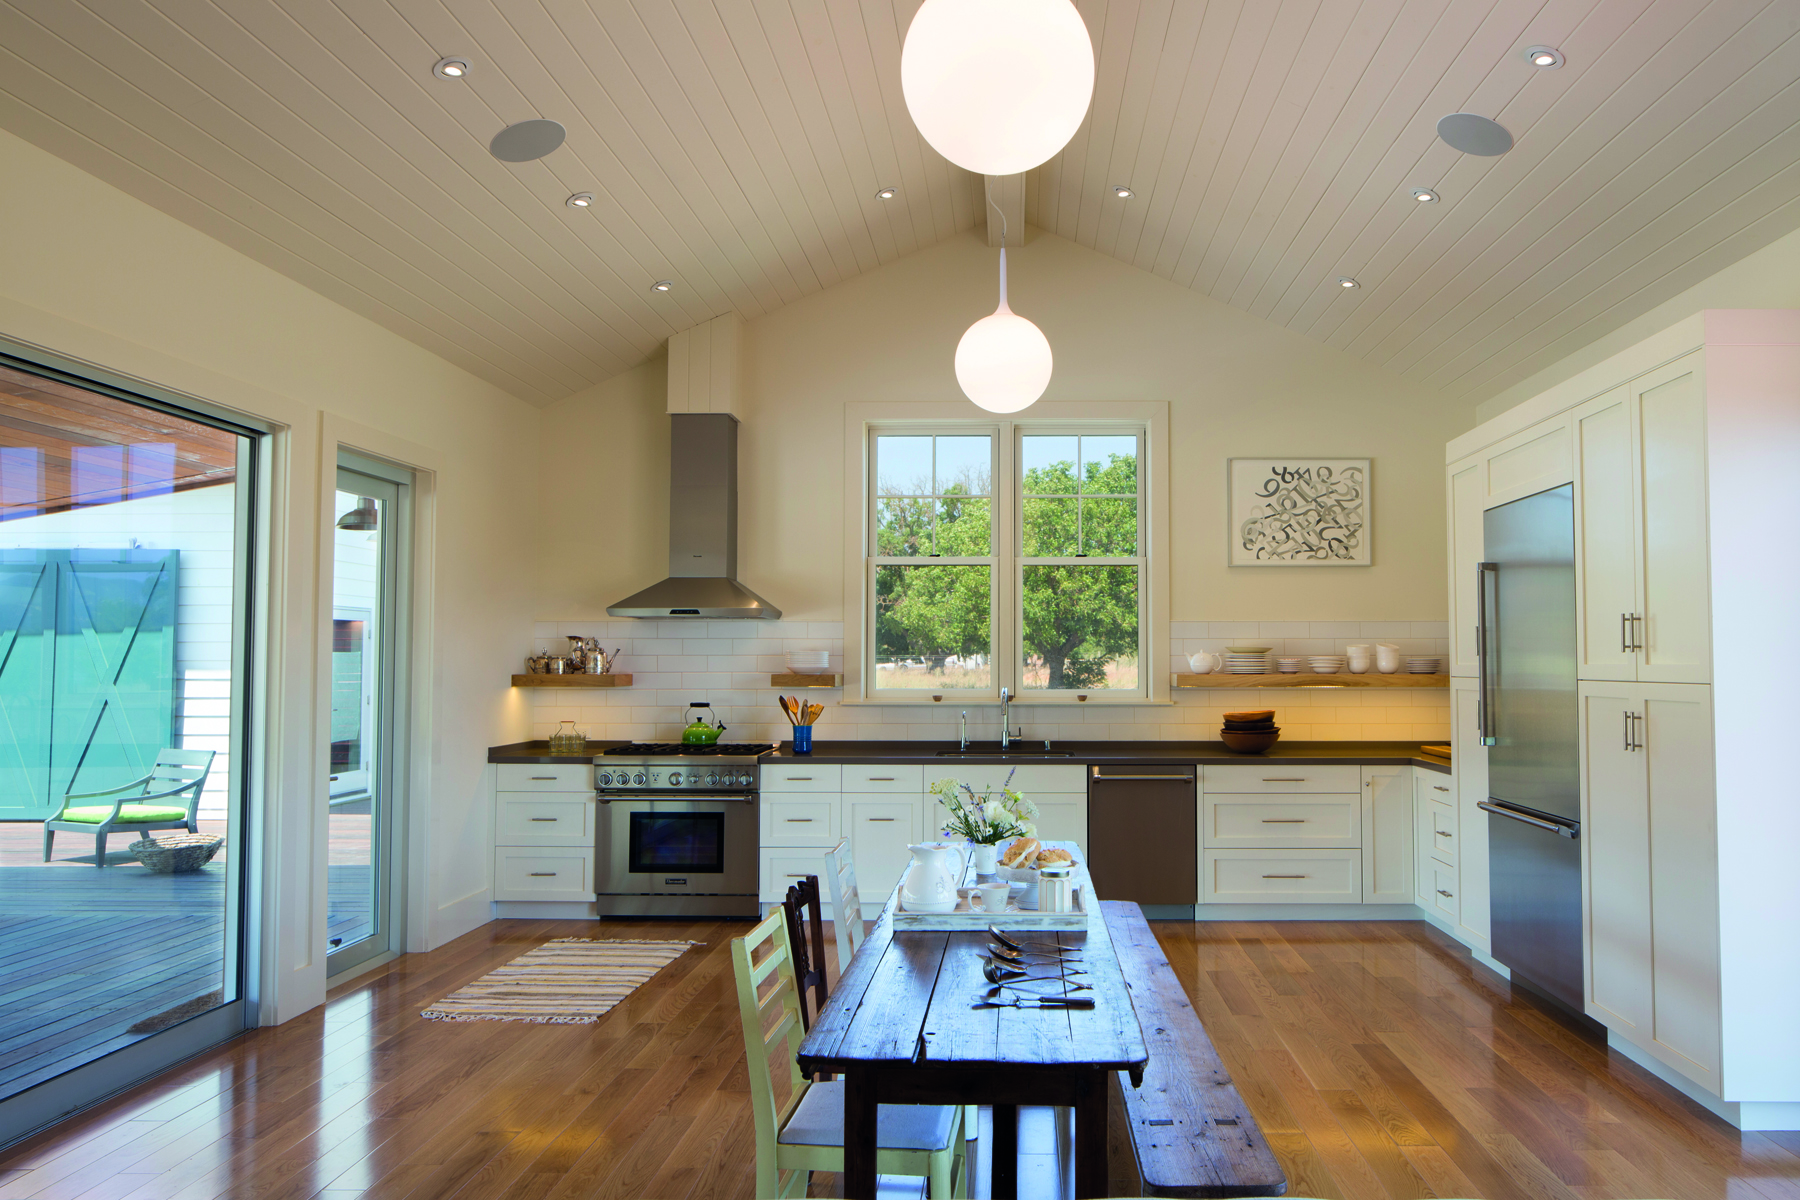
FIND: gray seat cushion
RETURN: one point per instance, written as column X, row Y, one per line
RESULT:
column 819, row 1121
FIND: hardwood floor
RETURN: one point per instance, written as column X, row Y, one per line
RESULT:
column 1378, row 1058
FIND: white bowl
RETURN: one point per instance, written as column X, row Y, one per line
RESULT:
column 1325, row 668
column 808, row 660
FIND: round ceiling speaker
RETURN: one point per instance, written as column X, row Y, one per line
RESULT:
column 997, row 86
column 527, row 140
column 1474, row 135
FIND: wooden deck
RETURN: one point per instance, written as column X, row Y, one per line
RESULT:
column 88, row 952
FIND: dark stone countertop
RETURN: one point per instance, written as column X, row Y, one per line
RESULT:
column 1199, row 753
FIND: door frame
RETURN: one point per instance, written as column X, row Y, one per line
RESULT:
column 394, row 485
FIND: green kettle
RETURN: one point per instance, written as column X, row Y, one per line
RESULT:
column 699, row 731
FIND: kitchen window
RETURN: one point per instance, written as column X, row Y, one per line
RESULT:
column 1038, row 583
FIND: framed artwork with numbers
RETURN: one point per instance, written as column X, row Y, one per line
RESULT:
column 1299, row 512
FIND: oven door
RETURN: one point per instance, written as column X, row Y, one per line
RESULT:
column 691, row 845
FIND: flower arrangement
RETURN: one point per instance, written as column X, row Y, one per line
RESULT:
column 985, row 820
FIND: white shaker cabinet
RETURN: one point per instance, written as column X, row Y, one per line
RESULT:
column 1470, row 787
column 1387, row 840
column 1641, row 529
column 1650, row 849
column 1466, row 503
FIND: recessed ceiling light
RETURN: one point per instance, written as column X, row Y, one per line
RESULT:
column 1425, row 196
column 1345, row 282
column 886, row 193
column 1546, row 58
column 580, row 200
column 1122, row 191
column 663, row 285
column 451, row 68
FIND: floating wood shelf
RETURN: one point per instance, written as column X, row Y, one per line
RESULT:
column 1311, row 679
column 572, row 681
column 786, row 679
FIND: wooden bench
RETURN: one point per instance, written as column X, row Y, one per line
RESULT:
column 1189, row 1129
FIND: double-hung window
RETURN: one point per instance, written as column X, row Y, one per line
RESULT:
column 1008, row 554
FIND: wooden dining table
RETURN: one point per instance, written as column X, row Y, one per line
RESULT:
column 900, row 1028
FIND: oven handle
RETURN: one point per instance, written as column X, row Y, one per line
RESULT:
column 679, row 796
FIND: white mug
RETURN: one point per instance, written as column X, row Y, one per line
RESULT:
column 994, row 896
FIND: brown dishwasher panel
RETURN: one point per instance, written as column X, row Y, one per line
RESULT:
column 1143, row 833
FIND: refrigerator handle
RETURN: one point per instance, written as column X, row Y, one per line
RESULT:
column 1484, row 712
column 1568, row 831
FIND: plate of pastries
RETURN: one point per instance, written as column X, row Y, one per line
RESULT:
column 1029, row 854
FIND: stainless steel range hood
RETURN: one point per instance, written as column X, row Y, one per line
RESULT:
column 702, row 578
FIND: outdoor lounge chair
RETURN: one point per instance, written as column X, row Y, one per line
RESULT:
column 177, row 773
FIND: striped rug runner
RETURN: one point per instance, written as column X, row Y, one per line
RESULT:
column 570, row 981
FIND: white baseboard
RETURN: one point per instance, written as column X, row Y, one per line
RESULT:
column 1744, row 1114
column 1307, row 912
column 537, row 910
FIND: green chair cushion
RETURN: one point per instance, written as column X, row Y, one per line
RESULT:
column 129, row 814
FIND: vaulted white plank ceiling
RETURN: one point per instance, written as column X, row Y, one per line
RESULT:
column 735, row 147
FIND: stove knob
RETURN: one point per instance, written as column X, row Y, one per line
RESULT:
column 746, row 780
column 606, row 779
column 674, row 778
column 638, row 779
column 712, row 779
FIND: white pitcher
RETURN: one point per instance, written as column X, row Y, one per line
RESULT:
column 1203, row 663
column 929, row 885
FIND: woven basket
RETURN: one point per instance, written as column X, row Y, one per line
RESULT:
column 172, row 856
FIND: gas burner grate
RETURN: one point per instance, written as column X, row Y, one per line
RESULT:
column 717, row 749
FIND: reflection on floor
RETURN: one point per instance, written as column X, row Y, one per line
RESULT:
column 1379, row 1060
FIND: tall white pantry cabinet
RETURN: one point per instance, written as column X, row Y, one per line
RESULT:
column 1685, row 456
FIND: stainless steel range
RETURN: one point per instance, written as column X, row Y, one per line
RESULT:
column 678, row 830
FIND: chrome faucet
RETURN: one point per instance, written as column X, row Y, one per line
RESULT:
column 965, row 731
column 1005, row 719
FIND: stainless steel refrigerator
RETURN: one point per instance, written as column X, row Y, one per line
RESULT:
column 1529, row 721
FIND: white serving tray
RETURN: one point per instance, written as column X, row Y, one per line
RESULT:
column 966, row 919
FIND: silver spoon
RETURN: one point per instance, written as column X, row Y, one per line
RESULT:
column 1022, row 947
column 996, row 974
column 1015, row 969
column 1001, row 952
column 1046, row 1002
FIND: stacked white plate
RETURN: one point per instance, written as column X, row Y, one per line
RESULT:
column 1247, row 664
column 1423, row 666
column 1326, row 664
column 808, row 662
column 1289, row 666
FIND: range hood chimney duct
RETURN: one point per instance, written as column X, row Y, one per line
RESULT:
column 703, row 512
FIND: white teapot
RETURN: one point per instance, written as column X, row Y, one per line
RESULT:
column 929, row 885
column 1203, row 663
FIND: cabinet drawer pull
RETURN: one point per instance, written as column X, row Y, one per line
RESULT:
column 798, row 820
column 798, row 778
column 1445, row 833
column 1286, row 779
column 551, row 819
column 878, row 818
column 1285, row 877
column 1284, row 820
column 881, row 779
column 548, row 874
column 1442, row 892
column 550, row 778
column 791, row 875
column 1438, row 787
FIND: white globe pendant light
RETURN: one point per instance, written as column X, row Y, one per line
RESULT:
column 1003, row 361
column 997, row 86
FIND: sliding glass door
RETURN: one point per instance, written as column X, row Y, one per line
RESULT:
column 125, row 566
column 367, row 585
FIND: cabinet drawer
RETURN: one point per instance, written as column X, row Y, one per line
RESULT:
column 1265, row 821
column 538, row 777
column 525, row 819
column 802, row 777
column 1443, row 834
column 1443, row 891
column 782, row 868
column 546, row 874
column 1276, row 778
column 1282, row 877
column 800, row 821
column 1430, row 785
column 873, row 777
column 1030, row 778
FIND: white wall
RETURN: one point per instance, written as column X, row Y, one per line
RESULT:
column 103, row 278
column 198, row 523
column 1235, row 385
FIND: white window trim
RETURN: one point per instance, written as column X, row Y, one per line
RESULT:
column 1153, row 416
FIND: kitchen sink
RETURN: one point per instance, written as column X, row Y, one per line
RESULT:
column 996, row 752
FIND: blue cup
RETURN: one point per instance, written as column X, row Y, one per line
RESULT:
column 803, row 739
